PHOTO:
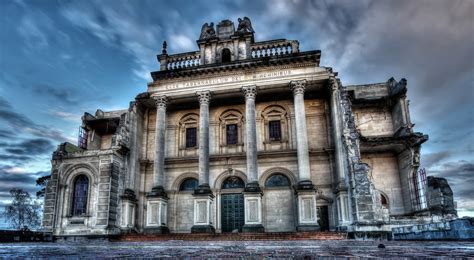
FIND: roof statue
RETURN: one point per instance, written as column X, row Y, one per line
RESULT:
column 245, row 26
column 207, row 31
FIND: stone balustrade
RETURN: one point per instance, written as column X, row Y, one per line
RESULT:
column 274, row 48
column 183, row 60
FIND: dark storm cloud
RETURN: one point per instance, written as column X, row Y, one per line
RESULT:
column 31, row 147
column 6, row 134
column 14, row 158
column 15, row 178
column 62, row 94
column 21, row 123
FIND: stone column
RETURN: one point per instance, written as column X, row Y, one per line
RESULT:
column 341, row 187
column 305, row 192
column 157, row 199
column 203, row 197
column 204, row 99
column 251, row 133
column 253, row 192
column 298, row 88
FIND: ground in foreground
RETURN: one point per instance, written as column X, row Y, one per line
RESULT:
column 238, row 249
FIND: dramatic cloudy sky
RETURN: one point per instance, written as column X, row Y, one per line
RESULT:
column 61, row 58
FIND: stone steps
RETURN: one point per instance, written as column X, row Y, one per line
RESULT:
column 235, row 236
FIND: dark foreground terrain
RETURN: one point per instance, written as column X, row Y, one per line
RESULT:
column 238, row 249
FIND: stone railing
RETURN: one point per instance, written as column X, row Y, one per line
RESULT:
column 183, row 60
column 273, row 48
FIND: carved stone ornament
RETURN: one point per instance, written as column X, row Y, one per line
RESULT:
column 333, row 83
column 160, row 101
column 207, row 31
column 204, row 97
column 250, row 92
column 245, row 26
column 298, row 86
column 165, row 46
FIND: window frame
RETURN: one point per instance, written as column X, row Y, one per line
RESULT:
column 271, row 132
column 235, row 134
column 190, row 141
column 84, row 196
column 184, row 189
column 274, row 175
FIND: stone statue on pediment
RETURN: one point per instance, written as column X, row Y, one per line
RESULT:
column 245, row 26
column 207, row 31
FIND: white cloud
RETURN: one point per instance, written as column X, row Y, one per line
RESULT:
column 182, row 43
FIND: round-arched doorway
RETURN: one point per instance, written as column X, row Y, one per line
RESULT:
column 232, row 204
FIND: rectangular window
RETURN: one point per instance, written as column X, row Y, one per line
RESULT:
column 231, row 132
column 274, row 128
column 191, row 137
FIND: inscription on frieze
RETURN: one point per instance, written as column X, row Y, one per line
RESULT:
column 226, row 79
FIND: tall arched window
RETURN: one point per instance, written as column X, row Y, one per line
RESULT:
column 384, row 201
column 189, row 184
column 79, row 197
column 226, row 55
column 277, row 180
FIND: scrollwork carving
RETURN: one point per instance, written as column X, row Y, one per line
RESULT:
column 204, row 97
column 298, row 86
column 160, row 101
column 250, row 92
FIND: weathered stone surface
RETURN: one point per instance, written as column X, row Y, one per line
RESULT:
column 339, row 148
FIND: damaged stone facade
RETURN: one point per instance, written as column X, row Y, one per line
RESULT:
column 241, row 136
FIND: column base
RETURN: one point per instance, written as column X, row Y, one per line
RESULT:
column 156, row 230
column 203, row 189
column 157, row 192
column 209, row 229
column 248, row 228
column 304, row 185
column 305, row 228
column 252, row 187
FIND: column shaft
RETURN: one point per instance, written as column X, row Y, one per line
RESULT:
column 204, row 99
column 251, row 132
column 159, row 170
column 336, row 121
column 298, row 88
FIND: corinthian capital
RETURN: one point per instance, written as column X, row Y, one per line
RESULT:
column 333, row 84
column 298, row 86
column 250, row 92
column 160, row 101
column 204, row 96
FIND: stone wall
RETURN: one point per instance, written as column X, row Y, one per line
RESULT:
column 385, row 175
column 459, row 229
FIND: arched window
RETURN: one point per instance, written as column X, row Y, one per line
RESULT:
column 277, row 180
column 226, row 55
column 384, row 201
column 79, row 197
column 233, row 182
column 189, row 184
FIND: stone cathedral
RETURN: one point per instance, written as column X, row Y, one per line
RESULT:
column 241, row 136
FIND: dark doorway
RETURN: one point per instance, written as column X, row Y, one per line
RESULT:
column 232, row 212
column 323, row 218
column 226, row 55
